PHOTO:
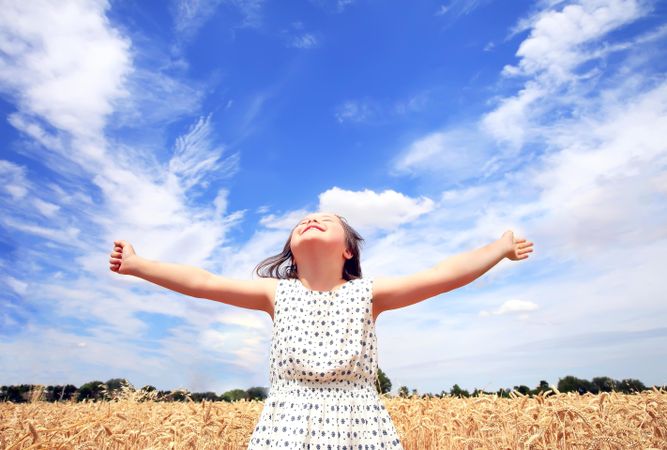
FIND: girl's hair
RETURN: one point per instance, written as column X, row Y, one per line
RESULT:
column 273, row 266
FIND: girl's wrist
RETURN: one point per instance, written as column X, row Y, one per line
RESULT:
column 134, row 265
column 504, row 247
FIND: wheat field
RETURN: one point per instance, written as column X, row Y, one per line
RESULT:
column 551, row 420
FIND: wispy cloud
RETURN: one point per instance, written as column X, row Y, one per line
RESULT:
column 13, row 180
column 456, row 9
column 197, row 161
column 354, row 111
column 514, row 306
column 251, row 10
column 569, row 152
column 377, row 111
column 307, row 40
column 65, row 103
column 335, row 6
column 455, row 154
column 190, row 15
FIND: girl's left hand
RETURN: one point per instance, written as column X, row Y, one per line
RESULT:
column 516, row 248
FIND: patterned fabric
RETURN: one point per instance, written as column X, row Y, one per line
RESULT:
column 323, row 367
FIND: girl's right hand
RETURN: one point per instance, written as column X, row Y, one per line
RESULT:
column 121, row 257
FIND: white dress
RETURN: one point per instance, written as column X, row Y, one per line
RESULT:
column 323, row 368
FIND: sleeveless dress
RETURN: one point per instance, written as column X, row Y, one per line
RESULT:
column 323, row 368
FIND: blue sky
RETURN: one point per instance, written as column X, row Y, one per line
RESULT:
column 201, row 131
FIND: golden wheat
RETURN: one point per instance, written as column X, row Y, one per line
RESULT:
column 134, row 420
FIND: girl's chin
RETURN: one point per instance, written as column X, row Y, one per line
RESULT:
column 316, row 242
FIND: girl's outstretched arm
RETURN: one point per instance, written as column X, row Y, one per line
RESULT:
column 193, row 281
column 454, row 272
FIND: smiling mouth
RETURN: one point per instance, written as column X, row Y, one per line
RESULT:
column 312, row 226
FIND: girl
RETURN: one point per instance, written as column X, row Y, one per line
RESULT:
column 323, row 355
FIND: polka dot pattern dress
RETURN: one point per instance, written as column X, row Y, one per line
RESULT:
column 323, row 368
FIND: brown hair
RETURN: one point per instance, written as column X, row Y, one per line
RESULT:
column 274, row 266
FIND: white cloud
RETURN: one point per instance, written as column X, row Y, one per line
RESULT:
column 45, row 208
column 511, row 121
column 336, row 6
column 190, row 15
column 513, row 306
column 156, row 98
column 412, row 104
column 305, row 41
column 370, row 210
column 374, row 111
column 65, row 64
column 456, row 9
column 454, row 154
column 18, row 286
column 442, row 10
column 559, row 40
column 52, row 49
column 587, row 185
column 355, row 111
column 285, row 222
column 13, row 180
column 251, row 10
column 66, row 236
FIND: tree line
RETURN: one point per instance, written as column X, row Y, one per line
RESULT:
column 116, row 388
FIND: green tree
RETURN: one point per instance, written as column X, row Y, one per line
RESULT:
column 146, row 393
column 164, row 396
column 94, row 390
column 180, row 395
column 477, row 392
column 16, row 394
column 456, row 391
column 115, row 387
column 573, row 384
column 59, row 393
column 523, row 389
column 200, row 396
column 234, row 395
column 384, row 383
column 630, row 385
column 605, row 384
column 503, row 392
column 257, row 393
column 403, row 391
column 542, row 387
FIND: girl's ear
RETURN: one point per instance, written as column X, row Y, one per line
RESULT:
column 347, row 254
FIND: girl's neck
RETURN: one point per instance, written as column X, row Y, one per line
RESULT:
column 321, row 280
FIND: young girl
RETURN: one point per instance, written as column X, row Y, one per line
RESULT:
column 323, row 355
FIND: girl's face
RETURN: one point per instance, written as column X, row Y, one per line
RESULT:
column 322, row 228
